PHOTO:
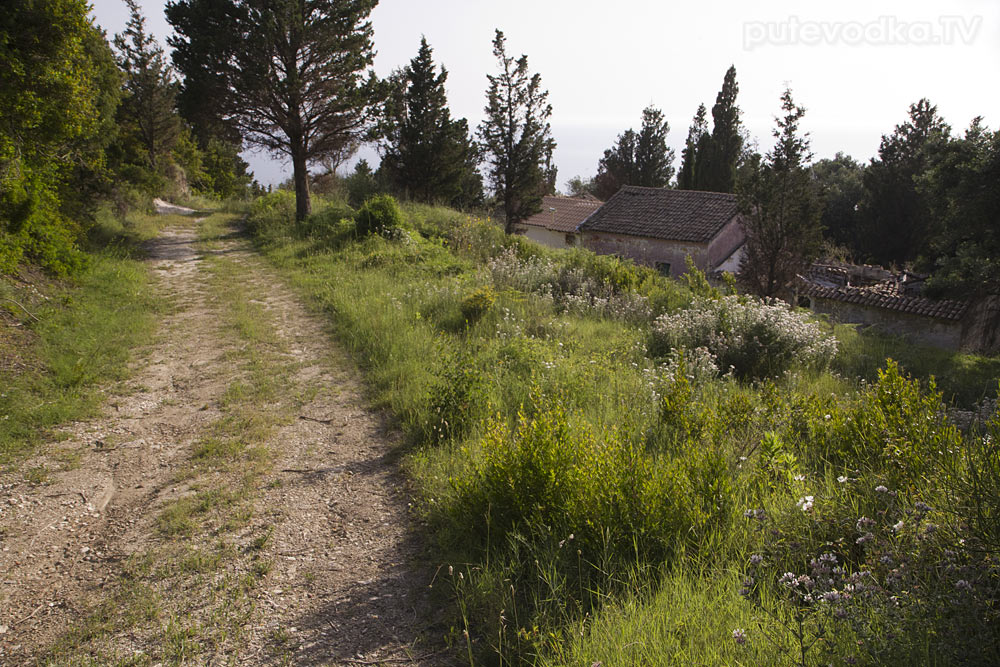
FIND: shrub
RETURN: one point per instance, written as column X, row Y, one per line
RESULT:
column 380, row 215
column 755, row 339
column 478, row 303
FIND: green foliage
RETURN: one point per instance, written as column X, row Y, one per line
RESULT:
column 516, row 137
column 637, row 158
column 429, row 157
column 710, row 161
column 85, row 338
column 239, row 56
column 58, row 90
column 380, row 215
column 478, row 303
column 753, row 338
column 781, row 211
column 594, row 494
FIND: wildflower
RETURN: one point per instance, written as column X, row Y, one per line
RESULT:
column 805, row 581
column 881, row 489
column 842, row 479
column 865, row 524
column 805, row 503
column 756, row 559
column 865, row 539
column 451, row 571
column 799, row 478
column 923, row 508
column 739, row 636
column 963, row 585
column 898, row 527
column 831, row 597
column 787, row 579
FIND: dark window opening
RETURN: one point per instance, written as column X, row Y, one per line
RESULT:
column 663, row 268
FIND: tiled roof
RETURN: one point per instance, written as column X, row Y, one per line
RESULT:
column 672, row 215
column 568, row 214
column 885, row 295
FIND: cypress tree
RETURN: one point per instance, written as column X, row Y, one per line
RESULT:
column 637, row 158
column 516, row 136
column 696, row 140
column 726, row 146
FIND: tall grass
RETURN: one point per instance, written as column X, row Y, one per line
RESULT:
column 574, row 482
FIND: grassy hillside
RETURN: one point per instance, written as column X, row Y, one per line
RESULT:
column 621, row 469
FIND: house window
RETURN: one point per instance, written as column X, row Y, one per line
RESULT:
column 571, row 239
column 805, row 302
column 663, row 268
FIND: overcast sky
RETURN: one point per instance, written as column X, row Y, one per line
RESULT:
column 855, row 65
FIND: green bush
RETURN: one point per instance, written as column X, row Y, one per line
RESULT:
column 478, row 303
column 380, row 215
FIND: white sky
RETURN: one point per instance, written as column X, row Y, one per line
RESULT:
column 856, row 65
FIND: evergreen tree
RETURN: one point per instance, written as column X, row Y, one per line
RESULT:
column 641, row 158
column 516, row 136
column 840, row 183
column 147, row 111
column 292, row 75
column 427, row 155
column 963, row 192
column 895, row 218
column 780, row 207
column 724, row 152
column 697, row 140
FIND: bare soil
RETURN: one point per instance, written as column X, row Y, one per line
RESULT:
column 345, row 581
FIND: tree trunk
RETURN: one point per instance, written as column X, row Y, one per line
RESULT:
column 300, row 175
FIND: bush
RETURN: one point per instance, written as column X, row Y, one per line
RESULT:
column 380, row 215
column 753, row 338
column 478, row 303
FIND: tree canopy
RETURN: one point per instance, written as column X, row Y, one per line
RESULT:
column 293, row 76
column 637, row 158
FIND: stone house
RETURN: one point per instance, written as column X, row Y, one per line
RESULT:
column 894, row 304
column 556, row 224
column 660, row 227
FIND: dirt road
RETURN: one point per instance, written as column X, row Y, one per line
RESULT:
column 238, row 502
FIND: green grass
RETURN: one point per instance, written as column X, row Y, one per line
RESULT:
column 588, row 500
column 83, row 342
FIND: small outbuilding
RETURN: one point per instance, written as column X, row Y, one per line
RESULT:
column 556, row 224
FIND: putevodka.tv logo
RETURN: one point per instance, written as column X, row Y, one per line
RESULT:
column 885, row 31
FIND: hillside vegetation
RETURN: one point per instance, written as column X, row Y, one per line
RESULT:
column 619, row 469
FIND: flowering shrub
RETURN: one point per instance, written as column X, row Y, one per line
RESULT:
column 754, row 338
column 573, row 289
column 888, row 578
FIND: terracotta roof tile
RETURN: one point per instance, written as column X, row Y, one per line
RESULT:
column 945, row 309
column 659, row 213
column 568, row 214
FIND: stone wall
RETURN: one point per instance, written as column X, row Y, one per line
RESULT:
column 917, row 328
column 547, row 237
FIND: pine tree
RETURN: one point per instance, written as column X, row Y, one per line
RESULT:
column 293, row 76
column 641, row 158
column 427, row 155
column 781, row 209
column 516, row 136
column 692, row 156
column 147, row 109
